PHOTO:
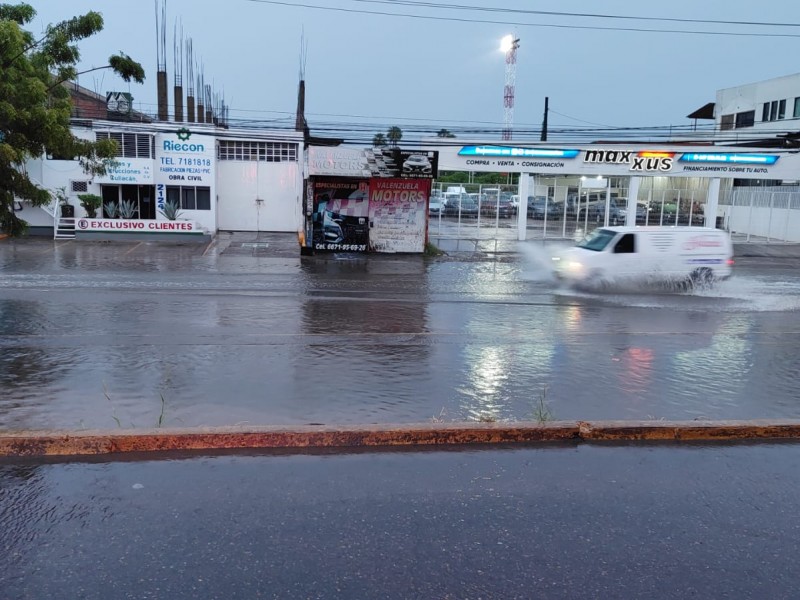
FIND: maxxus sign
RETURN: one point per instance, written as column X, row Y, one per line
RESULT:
column 637, row 161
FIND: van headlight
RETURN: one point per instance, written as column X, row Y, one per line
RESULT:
column 574, row 267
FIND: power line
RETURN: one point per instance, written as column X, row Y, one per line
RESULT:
column 518, row 24
column 439, row 5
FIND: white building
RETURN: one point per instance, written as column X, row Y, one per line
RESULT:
column 219, row 178
column 754, row 111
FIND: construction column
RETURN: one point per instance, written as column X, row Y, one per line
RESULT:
column 522, row 206
column 712, row 203
column 633, row 195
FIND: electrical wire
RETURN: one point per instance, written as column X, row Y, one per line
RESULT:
column 442, row 6
column 518, row 24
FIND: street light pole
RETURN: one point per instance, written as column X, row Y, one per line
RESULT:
column 509, row 45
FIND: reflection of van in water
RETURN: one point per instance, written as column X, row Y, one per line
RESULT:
column 698, row 255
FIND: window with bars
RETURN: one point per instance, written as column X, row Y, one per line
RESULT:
column 260, row 151
column 726, row 122
column 130, row 145
column 79, row 186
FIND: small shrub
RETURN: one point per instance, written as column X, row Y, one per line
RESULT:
column 90, row 203
column 111, row 209
column 128, row 209
column 541, row 410
column 172, row 210
column 432, row 250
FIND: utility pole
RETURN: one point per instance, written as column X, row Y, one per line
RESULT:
column 544, row 122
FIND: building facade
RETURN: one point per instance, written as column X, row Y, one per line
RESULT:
column 213, row 177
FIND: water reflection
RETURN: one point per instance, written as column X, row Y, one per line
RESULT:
column 483, row 394
column 367, row 355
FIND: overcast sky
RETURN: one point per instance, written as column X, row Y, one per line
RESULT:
column 392, row 70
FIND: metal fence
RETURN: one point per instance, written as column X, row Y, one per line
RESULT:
column 564, row 210
column 770, row 214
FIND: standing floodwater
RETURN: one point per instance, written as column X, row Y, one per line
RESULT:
column 94, row 336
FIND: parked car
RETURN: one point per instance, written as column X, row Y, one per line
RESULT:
column 463, row 205
column 435, row 207
column 641, row 212
column 597, row 211
column 538, row 206
column 493, row 206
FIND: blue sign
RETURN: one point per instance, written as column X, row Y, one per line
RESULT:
column 504, row 151
column 741, row 159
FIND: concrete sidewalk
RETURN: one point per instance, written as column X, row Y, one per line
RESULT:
column 286, row 244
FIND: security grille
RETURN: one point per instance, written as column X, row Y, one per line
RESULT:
column 258, row 151
column 130, row 145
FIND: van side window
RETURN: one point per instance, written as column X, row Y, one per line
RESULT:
column 626, row 244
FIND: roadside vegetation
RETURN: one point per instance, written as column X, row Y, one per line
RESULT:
column 36, row 106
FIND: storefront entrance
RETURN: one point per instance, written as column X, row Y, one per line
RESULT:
column 129, row 201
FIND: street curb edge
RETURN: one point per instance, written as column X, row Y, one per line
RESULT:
column 112, row 442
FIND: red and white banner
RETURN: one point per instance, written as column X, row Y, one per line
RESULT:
column 398, row 214
column 136, row 225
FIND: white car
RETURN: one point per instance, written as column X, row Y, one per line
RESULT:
column 417, row 163
column 435, row 207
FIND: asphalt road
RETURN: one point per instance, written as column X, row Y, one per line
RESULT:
column 555, row 522
column 130, row 335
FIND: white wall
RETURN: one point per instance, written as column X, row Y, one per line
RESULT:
column 753, row 96
column 277, row 184
column 778, row 224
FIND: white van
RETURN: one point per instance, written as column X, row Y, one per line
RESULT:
column 698, row 255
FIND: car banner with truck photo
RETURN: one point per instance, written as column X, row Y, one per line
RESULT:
column 340, row 213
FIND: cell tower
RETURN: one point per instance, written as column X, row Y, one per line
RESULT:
column 509, row 45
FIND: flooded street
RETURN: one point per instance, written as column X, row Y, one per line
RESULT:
column 101, row 336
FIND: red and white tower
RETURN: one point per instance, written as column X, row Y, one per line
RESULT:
column 509, row 45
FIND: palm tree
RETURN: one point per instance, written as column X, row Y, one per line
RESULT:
column 378, row 140
column 394, row 135
column 445, row 133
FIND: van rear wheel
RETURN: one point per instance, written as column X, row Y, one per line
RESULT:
column 702, row 277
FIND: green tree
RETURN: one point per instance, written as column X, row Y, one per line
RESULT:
column 378, row 140
column 35, row 106
column 445, row 133
column 394, row 135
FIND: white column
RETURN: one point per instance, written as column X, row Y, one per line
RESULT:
column 633, row 194
column 522, row 210
column 712, row 202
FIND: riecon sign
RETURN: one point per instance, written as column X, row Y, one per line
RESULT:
column 184, row 161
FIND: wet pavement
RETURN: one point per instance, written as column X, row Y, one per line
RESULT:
column 96, row 335
column 548, row 522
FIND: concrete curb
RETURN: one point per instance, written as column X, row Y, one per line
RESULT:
column 110, row 442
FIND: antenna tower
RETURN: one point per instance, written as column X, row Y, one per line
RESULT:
column 510, row 44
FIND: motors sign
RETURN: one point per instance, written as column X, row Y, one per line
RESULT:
column 373, row 162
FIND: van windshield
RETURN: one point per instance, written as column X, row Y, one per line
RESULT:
column 597, row 240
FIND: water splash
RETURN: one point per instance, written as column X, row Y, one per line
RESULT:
column 538, row 261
